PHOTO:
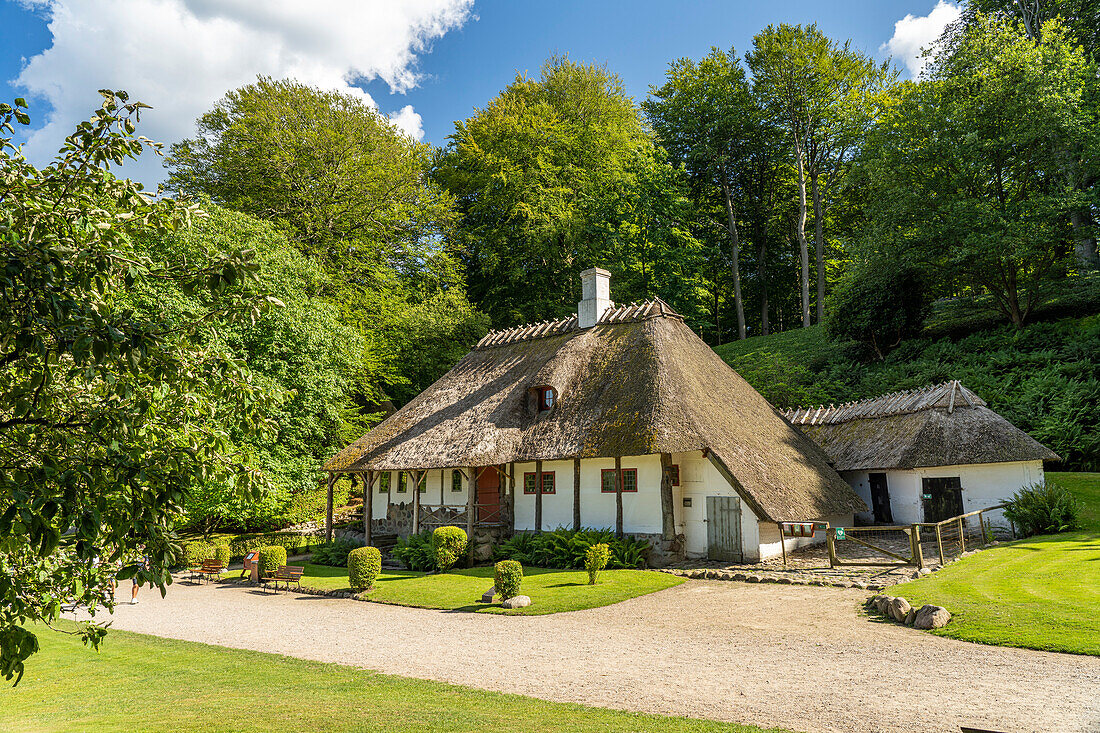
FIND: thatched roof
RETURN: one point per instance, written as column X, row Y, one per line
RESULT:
column 941, row 425
column 639, row 382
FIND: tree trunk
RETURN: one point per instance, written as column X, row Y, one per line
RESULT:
column 735, row 251
column 800, row 232
column 328, row 508
column 1084, row 245
column 819, row 246
column 761, row 251
column 368, row 507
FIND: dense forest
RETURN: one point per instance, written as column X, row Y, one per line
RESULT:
column 324, row 265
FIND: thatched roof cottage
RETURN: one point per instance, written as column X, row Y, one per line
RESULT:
column 617, row 416
column 927, row 454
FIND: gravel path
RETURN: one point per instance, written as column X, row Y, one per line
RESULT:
column 798, row 657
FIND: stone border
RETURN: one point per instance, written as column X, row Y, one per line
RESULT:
column 737, row 575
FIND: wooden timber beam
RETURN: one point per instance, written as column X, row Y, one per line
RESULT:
column 470, row 494
column 576, row 494
column 668, row 520
column 538, row 496
column 328, row 508
column 618, row 497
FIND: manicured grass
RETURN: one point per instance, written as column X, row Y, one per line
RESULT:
column 551, row 591
column 1039, row 593
column 139, row 682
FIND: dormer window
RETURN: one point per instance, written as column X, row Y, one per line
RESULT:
column 544, row 398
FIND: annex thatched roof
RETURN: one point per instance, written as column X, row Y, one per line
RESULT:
column 639, row 382
column 941, row 425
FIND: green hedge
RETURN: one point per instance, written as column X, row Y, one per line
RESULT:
column 448, row 545
column 295, row 544
column 271, row 557
column 595, row 560
column 508, row 577
column 195, row 552
column 566, row 549
column 222, row 554
column 364, row 565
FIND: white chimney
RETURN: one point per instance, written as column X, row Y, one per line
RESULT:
column 595, row 295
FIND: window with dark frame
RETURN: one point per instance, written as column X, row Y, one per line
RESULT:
column 548, row 484
column 384, row 482
column 456, row 480
column 423, row 483
column 402, row 482
column 674, row 474
column 545, row 397
column 630, row 480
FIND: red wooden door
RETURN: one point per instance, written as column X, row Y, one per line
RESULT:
column 488, row 495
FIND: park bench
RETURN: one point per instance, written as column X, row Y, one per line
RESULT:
column 208, row 569
column 286, row 574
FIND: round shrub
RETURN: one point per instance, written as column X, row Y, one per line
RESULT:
column 364, row 565
column 1043, row 508
column 271, row 557
column 448, row 544
column 509, row 575
column 194, row 553
column 595, row 560
column 222, row 554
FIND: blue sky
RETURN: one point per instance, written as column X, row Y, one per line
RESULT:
column 427, row 63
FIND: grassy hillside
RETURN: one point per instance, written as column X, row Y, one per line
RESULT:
column 1045, row 378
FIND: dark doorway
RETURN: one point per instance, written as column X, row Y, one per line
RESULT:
column 488, row 495
column 942, row 498
column 880, row 497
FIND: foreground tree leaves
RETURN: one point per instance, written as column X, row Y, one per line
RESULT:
column 108, row 416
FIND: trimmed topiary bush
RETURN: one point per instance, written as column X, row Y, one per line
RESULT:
column 222, row 554
column 194, row 553
column 595, row 560
column 364, row 565
column 1043, row 508
column 448, row 544
column 271, row 557
column 509, row 575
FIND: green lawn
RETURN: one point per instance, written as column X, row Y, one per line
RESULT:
column 551, row 591
column 1040, row 593
column 139, row 682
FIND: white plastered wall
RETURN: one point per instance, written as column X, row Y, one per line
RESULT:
column 430, row 496
column 699, row 478
column 983, row 485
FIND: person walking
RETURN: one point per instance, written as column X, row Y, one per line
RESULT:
column 140, row 565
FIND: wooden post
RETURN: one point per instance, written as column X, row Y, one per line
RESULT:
column 576, row 494
column 538, row 496
column 783, row 542
column 470, row 494
column 618, row 497
column 328, row 509
column 511, row 497
column 962, row 537
column 668, row 519
column 368, row 506
column 939, row 543
column 981, row 526
column 918, row 551
column 830, row 541
column 442, row 480
column 416, row 499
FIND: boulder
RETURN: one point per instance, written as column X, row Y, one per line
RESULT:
column 487, row 596
column 516, row 602
column 910, row 616
column 899, row 607
column 882, row 604
column 931, row 617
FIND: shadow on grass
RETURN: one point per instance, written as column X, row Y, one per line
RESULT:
column 566, row 585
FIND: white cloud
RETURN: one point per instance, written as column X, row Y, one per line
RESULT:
column 181, row 56
column 913, row 33
column 409, row 121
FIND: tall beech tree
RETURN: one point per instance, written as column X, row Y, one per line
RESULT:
column 703, row 115
column 968, row 169
column 109, row 417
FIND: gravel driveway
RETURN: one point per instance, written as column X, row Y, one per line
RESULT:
column 798, row 657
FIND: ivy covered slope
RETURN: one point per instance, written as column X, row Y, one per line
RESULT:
column 1044, row 377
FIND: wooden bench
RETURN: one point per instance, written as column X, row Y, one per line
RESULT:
column 207, row 570
column 286, row 574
